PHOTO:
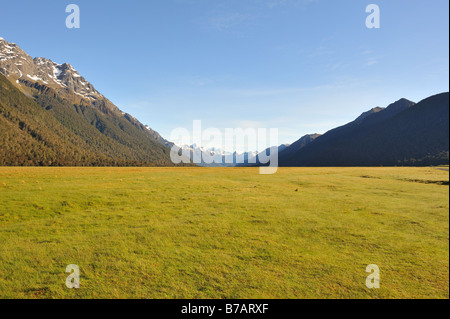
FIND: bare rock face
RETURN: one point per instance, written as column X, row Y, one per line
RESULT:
column 14, row 61
column 20, row 68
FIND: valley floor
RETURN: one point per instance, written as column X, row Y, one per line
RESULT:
column 224, row 232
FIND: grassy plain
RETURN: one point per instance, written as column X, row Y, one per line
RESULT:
column 224, row 233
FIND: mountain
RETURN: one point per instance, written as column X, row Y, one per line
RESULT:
column 296, row 146
column 42, row 74
column 222, row 158
column 284, row 150
column 255, row 159
column 245, row 158
column 404, row 133
column 73, row 116
column 51, row 115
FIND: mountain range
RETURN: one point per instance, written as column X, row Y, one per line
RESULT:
column 221, row 158
column 50, row 115
column 404, row 133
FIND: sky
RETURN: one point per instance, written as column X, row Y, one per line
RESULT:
column 302, row 66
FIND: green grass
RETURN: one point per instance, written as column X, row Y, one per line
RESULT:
column 224, row 233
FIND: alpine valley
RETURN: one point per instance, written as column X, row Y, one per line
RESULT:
column 50, row 115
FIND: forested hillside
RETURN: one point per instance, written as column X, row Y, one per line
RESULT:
column 46, row 130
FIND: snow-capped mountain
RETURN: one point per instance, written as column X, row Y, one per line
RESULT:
column 42, row 74
column 92, row 125
column 221, row 157
column 14, row 62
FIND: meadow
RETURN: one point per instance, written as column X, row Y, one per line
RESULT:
column 224, row 232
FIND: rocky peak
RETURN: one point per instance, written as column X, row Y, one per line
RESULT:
column 16, row 64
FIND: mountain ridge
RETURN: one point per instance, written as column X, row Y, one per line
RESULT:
column 110, row 136
column 42, row 74
column 384, row 138
column 96, row 132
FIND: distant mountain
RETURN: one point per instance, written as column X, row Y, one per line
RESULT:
column 51, row 115
column 255, row 159
column 221, row 158
column 404, row 133
column 74, row 118
column 284, row 150
column 227, row 159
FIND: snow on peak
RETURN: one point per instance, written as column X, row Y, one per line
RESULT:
column 14, row 61
column 56, row 70
column 35, row 78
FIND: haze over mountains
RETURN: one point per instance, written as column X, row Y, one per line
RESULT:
column 51, row 115
column 221, row 158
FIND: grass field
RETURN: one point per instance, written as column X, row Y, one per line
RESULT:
column 224, row 233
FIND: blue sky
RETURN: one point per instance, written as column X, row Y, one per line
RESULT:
column 302, row 66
